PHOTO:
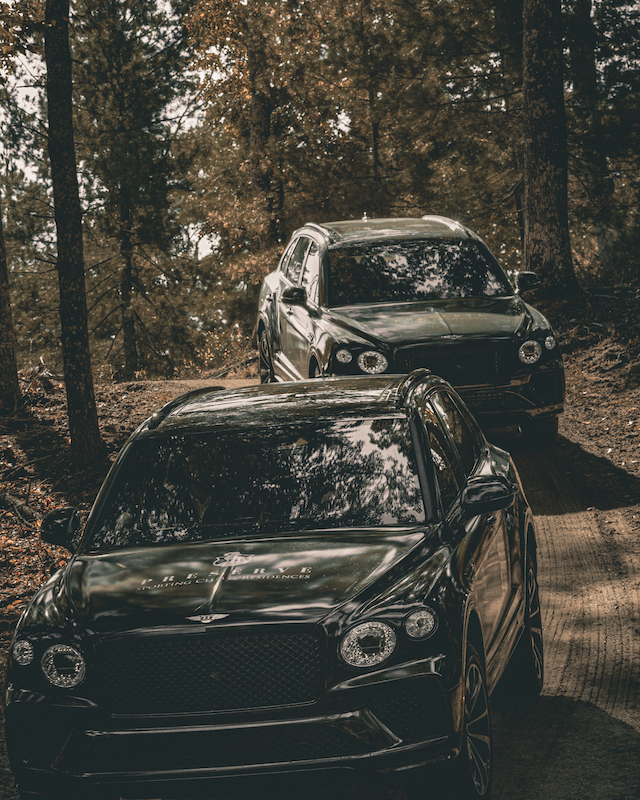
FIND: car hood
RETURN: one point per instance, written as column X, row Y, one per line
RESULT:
column 292, row 578
column 397, row 323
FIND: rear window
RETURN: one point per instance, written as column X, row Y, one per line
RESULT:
column 346, row 473
column 385, row 272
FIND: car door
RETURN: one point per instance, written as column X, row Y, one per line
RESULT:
column 484, row 538
column 293, row 316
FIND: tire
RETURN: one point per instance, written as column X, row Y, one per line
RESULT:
column 473, row 769
column 314, row 370
column 524, row 676
column 265, row 359
column 469, row 777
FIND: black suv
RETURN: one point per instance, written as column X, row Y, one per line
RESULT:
column 318, row 575
column 391, row 295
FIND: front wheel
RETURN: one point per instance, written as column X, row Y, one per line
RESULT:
column 524, row 676
column 473, row 768
column 469, row 776
column 266, row 362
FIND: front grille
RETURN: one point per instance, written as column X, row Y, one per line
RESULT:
column 413, row 710
column 199, row 673
column 462, row 363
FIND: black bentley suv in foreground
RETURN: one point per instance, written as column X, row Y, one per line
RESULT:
column 320, row 575
column 391, row 295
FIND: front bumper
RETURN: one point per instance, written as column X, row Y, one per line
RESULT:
column 78, row 750
column 527, row 397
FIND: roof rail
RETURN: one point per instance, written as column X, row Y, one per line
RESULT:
column 320, row 228
column 156, row 419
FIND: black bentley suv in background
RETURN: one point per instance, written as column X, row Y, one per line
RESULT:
column 319, row 575
column 391, row 295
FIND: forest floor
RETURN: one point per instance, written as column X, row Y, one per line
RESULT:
column 599, row 450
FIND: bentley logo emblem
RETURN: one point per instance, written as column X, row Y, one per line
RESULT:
column 204, row 618
column 232, row 560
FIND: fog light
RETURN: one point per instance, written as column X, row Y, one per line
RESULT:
column 63, row 666
column 368, row 644
column 550, row 342
column 372, row 362
column 22, row 652
column 421, row 624
column 530, row 352
column 344, row 356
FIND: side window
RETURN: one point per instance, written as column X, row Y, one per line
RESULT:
column 286, row 258
column 444, row 459
column 464, row 437
column 311, row 273
column 293, row 268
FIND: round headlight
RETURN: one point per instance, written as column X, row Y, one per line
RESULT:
column 421, row 624
column 372, row 362
column 368, row 644
column 530, row 352
column 22, row 652
column 550, row 342
column 344, row 356
column 63, row 666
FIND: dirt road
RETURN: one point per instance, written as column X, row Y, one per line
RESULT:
column 581, row 739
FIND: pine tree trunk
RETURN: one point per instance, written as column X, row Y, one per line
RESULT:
column 586, row 106
column 547, row 243
column 259, row 133
column 86, row 443
column 10, row 398
column 126, row 290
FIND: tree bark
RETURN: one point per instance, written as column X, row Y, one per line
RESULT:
column 10, row 397
column 547, row 245
column 86, row 443
column 586, row 107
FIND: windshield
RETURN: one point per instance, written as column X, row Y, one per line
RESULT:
column 384, row 272
column 346, row 473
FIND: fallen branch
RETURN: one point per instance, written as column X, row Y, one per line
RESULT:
column 24, row 511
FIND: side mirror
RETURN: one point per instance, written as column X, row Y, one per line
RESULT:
column 483, row 494
column 61, row 527
column 527, row 282
column 294, row 295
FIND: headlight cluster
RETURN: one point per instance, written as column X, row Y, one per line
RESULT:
column 530, row 351
column 62, row 665
column 371, row 643
column 369, row 361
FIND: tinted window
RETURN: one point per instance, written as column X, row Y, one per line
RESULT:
column 341, row 473
column 444, row 459
column 293, row 268
column 311, row 273
column 465, row 440
column 401, row 271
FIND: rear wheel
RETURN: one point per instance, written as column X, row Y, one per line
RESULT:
column 266, row 362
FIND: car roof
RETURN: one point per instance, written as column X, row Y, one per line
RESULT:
column 285, row 403
column 428, row 227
